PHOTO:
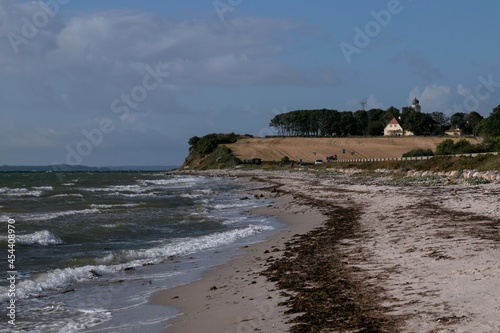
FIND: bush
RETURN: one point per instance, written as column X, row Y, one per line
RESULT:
column 194, row 140
column 462, row 146
column 419, row 152
column 493, row 144
column 208, row 143
column 285, row 159
column 445, row 147
column 221, row 157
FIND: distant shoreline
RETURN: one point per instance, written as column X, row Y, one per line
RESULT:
column 81, row 168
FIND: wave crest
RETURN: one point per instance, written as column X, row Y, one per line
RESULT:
column 43, row 238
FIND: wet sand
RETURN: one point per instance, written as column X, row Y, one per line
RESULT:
column 358, row 255
column 235, row 297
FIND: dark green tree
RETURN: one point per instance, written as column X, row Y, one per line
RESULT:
column 391, row 112
column 361, row 117
column 472, row 120
column 440, row 118
column 457, row 120
column 347, row 124
column 375, row 114
column 193, row 140
column 419, row 123
column 375, row 128
column 491, row 126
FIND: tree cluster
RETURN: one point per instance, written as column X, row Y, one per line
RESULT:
column 467, row 122
column 490, row 127
column 208, row 143
column 328, row 122
column 462, row 146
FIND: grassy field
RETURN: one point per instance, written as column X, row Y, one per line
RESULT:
column 310, row 149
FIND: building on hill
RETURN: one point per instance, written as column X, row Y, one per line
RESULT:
column 453, row 132
column 393, row 128
column 415, row 105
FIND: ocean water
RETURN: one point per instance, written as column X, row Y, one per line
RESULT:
column 91, row 248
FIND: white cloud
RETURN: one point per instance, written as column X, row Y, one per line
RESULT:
column 91, row 58
column 68, row 74
column 463, row 91
column 433, row 98
column 373, row 103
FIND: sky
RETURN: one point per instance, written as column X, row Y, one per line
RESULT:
column 121, row 82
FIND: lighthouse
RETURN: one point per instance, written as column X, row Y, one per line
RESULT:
column 415, row 105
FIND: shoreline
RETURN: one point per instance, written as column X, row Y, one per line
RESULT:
column 378, row 256
column 235, row 297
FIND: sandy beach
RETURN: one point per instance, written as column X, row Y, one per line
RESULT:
column 359, row 254
column 235, row 297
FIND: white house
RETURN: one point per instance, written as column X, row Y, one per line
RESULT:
column 393, row 128
column 453, row 132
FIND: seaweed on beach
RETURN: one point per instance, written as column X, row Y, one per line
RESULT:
column 326, row 292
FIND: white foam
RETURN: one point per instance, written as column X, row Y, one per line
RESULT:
column 233, row 220
column 59, row 278
column 192, row 196
column 43, row 188
column 117, row 261
column 132, row 195
column 65, row 319
column 183, row 246
column 20, row 192
column 86, row 319
column 111, row 225
column 4, row 218
column 43, row 237
column 78, row 195
column 174, row 182
column 116, row 188
column 50, row 216
column 233, row 205
column 103, row 206
column 55, row 279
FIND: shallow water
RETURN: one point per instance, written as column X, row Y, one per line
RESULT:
column 92, row 247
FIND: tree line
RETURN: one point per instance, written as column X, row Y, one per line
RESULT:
column 330, row 122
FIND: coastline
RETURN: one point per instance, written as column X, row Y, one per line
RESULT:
column 413, row 258
column 235, row 297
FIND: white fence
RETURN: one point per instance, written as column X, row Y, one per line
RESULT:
column 418, row 158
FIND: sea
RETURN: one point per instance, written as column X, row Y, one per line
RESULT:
column 90, row 248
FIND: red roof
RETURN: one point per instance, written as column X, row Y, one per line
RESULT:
column 394, row 121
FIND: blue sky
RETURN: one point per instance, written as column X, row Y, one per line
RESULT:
column 129, row 82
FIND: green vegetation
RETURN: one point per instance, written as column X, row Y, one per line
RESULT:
column 209, row 152
column 490, row 127
column 285, row 160
column 222, row 157
column 449, row 147
column 437, row 163
column 419, row 152
column 329, row 122
column 468, row 123
column 208, row 143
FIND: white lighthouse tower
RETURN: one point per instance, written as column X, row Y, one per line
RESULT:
column 415, row 105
